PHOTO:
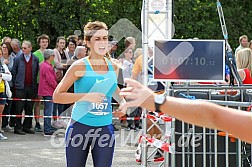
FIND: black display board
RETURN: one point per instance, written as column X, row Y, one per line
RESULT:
column 189, row 60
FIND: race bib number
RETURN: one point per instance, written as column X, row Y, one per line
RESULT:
column 102, row 108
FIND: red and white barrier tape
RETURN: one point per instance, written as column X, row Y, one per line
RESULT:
column 63, row 117
column 156, row 116
column 128, row 118
column 159, row 144
column 34, row 116
column 19, row 99
column 35, row 100
column 164, row 118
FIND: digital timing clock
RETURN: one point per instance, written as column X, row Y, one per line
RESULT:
column 189, row 60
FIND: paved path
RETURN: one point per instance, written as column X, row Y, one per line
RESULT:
column 35, row 150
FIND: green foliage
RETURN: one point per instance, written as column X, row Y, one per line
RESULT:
column 26, row 19
column 200, row 19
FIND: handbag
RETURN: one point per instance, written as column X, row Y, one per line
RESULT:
column 7, row 89
column 59, row 76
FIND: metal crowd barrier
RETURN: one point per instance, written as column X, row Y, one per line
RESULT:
column 202, row 147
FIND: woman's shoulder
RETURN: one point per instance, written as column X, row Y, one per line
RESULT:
column 79, row 62
column 56, row 51
column 78, row 68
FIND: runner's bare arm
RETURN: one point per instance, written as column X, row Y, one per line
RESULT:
column 206, row 114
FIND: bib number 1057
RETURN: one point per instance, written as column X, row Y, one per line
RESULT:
column 101, row 106
column 104, row 106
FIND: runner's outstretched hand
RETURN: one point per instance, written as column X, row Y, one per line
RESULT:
column 138, row 95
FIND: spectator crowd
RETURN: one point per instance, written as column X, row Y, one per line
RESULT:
column 35, row 75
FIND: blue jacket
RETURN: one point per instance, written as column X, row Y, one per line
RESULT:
column 18, row 71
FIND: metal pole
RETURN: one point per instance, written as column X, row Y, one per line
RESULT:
column 233, row 69
column 145, row 74
column 169, row 30
column 170, row 19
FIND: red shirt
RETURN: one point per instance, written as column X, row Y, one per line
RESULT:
column 47, row 81
column 248, row 79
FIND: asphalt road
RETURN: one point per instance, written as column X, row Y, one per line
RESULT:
column 35, row 150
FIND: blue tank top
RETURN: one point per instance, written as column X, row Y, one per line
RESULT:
column 93, row 114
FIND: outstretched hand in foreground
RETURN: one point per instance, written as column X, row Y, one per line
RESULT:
column 137, row 95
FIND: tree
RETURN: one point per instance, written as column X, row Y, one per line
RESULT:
column 28, row 19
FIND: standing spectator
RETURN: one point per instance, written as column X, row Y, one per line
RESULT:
column 47, row 85
column 127, row 72
column 71, row 45
column 80, row 42
column 7, row 56
column 243, row 40
column 130, row 42
column 250, row 44
column 6, row 40
column 1, row 54
column 25, row 73
column 244, row 65
column 73, row 37
column 7, row 59
column 80, row 52
column 43, row 42
column 61, row 58
column 137, row 53
column 16, row 51
column 127, row 63
column 4, row 76
column 112, row 51
column 16, row 47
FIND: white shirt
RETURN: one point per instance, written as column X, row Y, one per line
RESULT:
column 27, row 57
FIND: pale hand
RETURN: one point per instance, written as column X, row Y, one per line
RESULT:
column 138, row 95
column 6, row 61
